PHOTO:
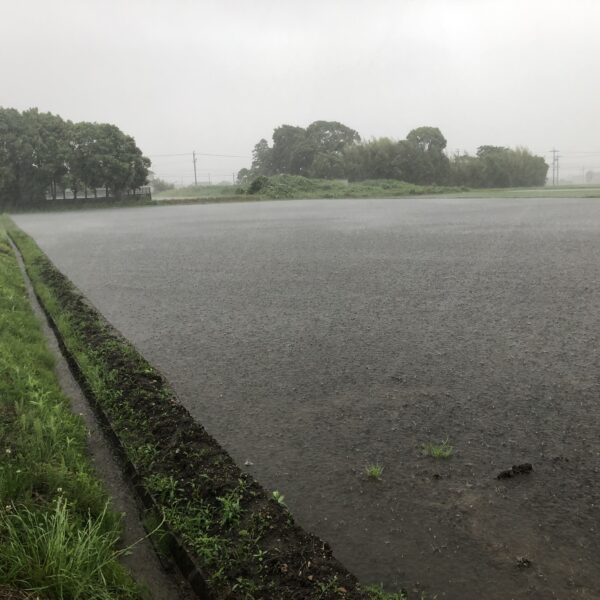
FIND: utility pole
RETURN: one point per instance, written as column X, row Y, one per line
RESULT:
column 554, row 166
column 209, row 183
column 194, row 159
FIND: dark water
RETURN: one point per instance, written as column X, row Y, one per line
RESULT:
column 313, row 338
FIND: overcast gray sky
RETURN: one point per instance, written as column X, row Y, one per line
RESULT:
column 216, row 76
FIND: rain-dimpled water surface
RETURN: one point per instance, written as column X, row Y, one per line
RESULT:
column 315, row 338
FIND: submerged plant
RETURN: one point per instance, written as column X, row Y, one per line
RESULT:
column 374, row 471
column 279, row 497
column 442, row 450
column 376, row 592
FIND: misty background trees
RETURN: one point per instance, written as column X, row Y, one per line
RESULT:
column 41, row 153
column 331, row 150
column 317, row 151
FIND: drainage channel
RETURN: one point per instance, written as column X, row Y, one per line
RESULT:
column 143, row 561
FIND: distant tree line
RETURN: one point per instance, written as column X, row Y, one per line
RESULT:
column 331, row 150
column 40, row 154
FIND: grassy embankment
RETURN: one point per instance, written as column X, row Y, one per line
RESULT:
column 243, row 539
column 291, row 186
column 58, row 536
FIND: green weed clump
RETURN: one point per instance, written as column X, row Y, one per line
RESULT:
column 57, row 536
column 374, row 471
column 441, row 450
column 377, row 592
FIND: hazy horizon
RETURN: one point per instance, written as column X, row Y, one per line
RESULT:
column 216, row 77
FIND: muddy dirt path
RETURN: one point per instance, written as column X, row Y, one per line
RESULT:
column 314, row 338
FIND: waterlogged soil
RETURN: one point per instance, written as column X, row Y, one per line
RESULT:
column 313, row 338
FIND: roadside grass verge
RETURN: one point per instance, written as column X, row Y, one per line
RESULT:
column 243, row 539
column 58, row 537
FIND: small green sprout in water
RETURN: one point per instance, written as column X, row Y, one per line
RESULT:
column 376, row 592
column 279, row 497
column 374, row 472
column 443, row 450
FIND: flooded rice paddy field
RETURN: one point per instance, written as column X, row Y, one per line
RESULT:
column 314, row 338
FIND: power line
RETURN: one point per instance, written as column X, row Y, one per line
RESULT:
column 581, row 152
column 201, row 173
column 199, row 154
column 194, row 156
column 163, row 155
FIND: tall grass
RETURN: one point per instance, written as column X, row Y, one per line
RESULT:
column 59, row 555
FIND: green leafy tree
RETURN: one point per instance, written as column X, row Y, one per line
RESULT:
column 329, row 149
column 48, row 135
column 497, row 166
column 291, row 153
column 40, row 153
column 328, row 166
column 327, row 141
column 14, row 154
column 423, row 156
column 262, row 159
column 316, row 151
column 375, row 159
column 121, row 162
column 331, row 136
column 244, row 175
column 25, row 168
